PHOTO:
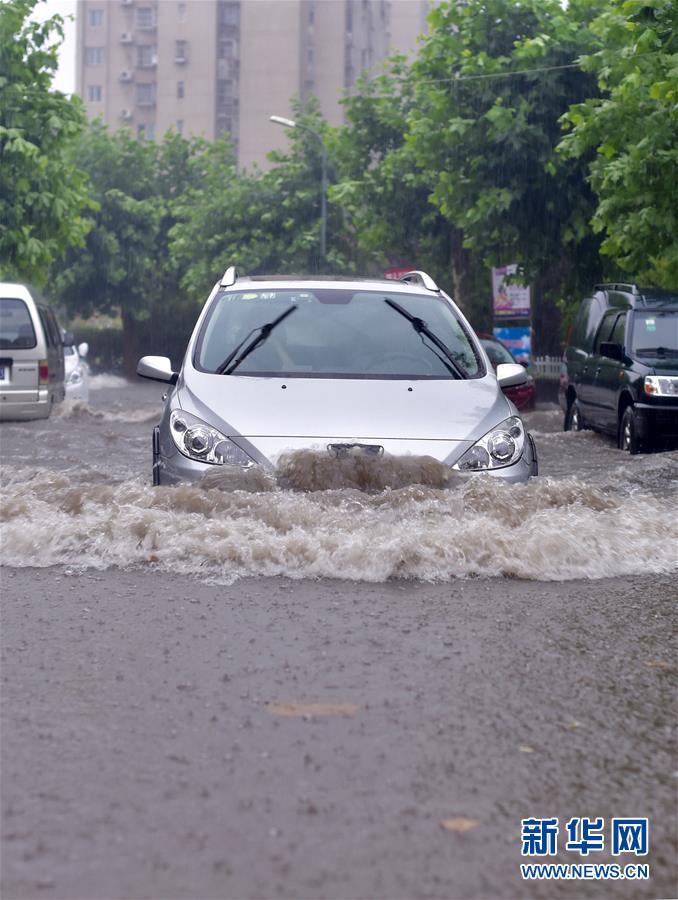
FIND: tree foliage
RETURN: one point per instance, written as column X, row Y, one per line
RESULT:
column 264, row 222
column 633, row 129
column 43, row 194
column 125, row 265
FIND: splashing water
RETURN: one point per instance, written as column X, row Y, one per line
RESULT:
column 367, row 520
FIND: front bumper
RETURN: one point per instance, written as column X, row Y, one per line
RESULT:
column 178, row 469
column 655, row 421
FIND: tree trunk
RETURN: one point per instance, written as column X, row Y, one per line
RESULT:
column 460, row 260
column 130, row 344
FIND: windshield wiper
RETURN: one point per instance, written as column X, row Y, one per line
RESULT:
column 258, row 336
column 659, row 351
column 422, row 329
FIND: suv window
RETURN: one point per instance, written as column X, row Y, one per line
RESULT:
column 617, row 336
column 16, row 325
column 605, row 330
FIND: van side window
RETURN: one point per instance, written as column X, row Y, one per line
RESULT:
column 42, row 312
column 56, row 331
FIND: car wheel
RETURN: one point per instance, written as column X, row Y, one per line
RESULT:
column 573, row 417
column 628, row 432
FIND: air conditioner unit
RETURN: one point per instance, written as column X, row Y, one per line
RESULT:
column 126, row 114
column 125, row 76
column 126, row 38
column 127, row 2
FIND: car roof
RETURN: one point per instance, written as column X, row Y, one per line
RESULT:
column 640, row 298
column 323, row 281
column 14, row 290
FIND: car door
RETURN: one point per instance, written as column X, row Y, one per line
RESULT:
column 608, row 375
column 591, row 399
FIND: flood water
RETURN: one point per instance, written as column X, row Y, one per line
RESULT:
column 76, row 491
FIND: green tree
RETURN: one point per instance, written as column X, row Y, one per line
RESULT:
column 262, row 221
column 125, row 266
column 43, row 194
column 492, row 80
column 633, row 129
column 384, row 194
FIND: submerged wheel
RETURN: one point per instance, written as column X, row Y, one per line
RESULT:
column 628, row 432
column 573, row 417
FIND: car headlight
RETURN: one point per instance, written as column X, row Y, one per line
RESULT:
column 199, row 441
column 500, row 447
column 75, row 377
column 661, row 385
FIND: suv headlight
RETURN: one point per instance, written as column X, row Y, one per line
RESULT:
column 500, row 447
column 661, row 385
column 199, row 441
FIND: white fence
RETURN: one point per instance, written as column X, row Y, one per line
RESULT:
column 546, row 367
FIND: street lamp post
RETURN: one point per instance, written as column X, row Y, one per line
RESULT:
column 290, row 123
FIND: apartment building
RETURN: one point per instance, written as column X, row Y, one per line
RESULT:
column 209, row 67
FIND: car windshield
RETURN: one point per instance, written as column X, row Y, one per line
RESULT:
column 497, row 352
column 655, row 333
column 16, row 327
column 336, row 333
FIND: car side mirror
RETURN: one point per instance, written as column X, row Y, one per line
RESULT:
column 157, row 368
column 511, row 375
column 612, row 351
column 68, row 338
column 83, row 349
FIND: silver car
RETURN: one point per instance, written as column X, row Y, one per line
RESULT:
column 278, row 364
column 31, row 355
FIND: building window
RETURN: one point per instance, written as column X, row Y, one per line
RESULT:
column 146, row 55
column 141, row 131
column 96, row 17
column 181, row 12
column 94, row 56
column 180, row 126
column 145, row 17
column 180, row 90
column 311, row 13
column 226, row 49
column 229, row 14
column 181, row 51
column 94, row 93
column 145, row 94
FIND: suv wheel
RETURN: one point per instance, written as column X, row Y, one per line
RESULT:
column 573, row 417
column 628, row 432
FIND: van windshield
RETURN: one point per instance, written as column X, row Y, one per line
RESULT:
column 337, row 333
column 655, row 334
column 16, row 326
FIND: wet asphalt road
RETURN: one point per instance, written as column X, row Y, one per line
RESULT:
column 167, row 738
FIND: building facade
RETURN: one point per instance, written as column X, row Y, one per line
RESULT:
column 210, row 67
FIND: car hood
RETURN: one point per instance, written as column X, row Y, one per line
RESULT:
column 437, row 418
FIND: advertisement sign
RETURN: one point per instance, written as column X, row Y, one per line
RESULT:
column 518, row 338
column 511, row 301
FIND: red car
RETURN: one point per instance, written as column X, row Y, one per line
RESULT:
column 525, row 395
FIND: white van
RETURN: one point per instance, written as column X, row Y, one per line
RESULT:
column 31, row 355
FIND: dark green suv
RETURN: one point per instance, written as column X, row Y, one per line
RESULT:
column 621, row 367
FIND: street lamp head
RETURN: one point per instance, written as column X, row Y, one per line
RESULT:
column 280, row 120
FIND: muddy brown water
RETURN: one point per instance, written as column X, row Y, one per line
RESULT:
column 76, row 492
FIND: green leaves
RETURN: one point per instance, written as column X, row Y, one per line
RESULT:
column 634, row 132
column 43, row 194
